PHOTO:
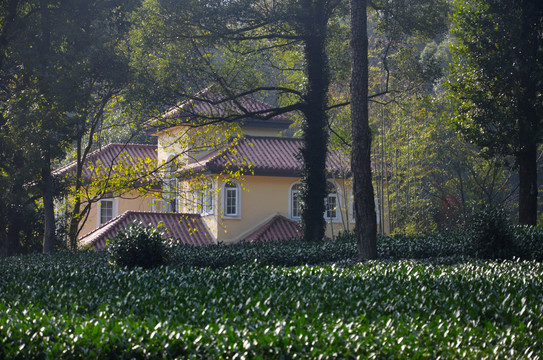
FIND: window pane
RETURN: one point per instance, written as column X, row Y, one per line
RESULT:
column 296, row 206
column 331, row 206
column 208, row 201
column 331, row 202
column 106, row 211
column 231, row 199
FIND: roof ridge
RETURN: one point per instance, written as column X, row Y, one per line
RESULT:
column 125, row 144
column 256, row 234
column 271, row 137
column 127, row 213
column 164, row 213
column 272, row 221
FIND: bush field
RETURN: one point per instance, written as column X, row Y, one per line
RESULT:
column 79, row 306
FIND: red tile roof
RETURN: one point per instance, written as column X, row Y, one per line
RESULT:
column 278, row 228
column 109, row 155
column 268, row 156
column 182, row 228
column 210, row 104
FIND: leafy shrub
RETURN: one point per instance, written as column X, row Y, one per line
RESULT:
column 291, row 252
column 438, row 244
column 343, row 249
column 528, row 242
column 139, row 246
column 492, row 235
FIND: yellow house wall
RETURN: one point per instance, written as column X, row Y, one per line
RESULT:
column 262, row 197
column 258, row 131
column 169, row 143
column 130, row 201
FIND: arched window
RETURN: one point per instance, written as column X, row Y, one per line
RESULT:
column 295, row 201
column 231, row 199
column 331, row 202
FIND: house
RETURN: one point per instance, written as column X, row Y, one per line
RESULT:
column 215, row 183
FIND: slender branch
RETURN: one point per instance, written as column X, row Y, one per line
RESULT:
column 346, row 103
column 338, row 135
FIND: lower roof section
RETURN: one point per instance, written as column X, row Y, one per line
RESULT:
column 185, row 229
column 277, row 229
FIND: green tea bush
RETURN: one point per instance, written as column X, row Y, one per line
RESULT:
column 492, row 234
column 528, row 242
column 139, row 246
column 452, row 246
column 292, row 252
column 76, row 306
column 295, row 252
column 431, row 245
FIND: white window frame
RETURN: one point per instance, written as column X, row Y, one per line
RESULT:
column 114, row 210
column 237, row 196
column 170, row 187
column 207, row 199
column 337, row 209
column 291, row 195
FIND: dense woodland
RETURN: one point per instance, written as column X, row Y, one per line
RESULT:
column 445, row 98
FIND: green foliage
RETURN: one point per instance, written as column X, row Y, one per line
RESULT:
column 427, row 178
column 496, row 79
column 528, row 242
column 60, row 64
column 76, row 306
column 496, row 73
column 434, row 245
column 292, row 252
column 492, row 234
column 139, row 246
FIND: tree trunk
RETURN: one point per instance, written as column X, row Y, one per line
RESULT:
column 315, row 127
column 15, row 225
column 75, row 217
column 364, row 202
column 527, row 209
column 530, row 117
column 48, row 206
column 73, row 227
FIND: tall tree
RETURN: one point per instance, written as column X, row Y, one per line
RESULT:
column 398, row 19
column 497, row 78
column 364, row 203
column 314, row 16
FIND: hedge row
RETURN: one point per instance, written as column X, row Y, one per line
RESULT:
column 77, row 306
column 527, row 244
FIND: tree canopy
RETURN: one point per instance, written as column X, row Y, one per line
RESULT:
column 497, row 79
